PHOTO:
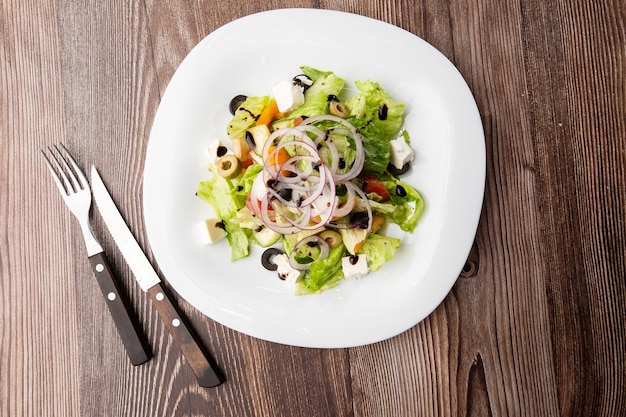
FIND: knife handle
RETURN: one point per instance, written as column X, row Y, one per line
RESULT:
column 205, row 370
column 127, row 326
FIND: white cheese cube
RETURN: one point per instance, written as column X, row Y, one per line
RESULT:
column 211, row 230
column 216, row 150
column 285, row 271
column 288, row 96
column 401, row 152
column 355, row 266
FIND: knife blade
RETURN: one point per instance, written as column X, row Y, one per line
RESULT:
column 199, row 360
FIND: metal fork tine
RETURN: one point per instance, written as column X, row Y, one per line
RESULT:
column 58, row 168
column 83, row 183
column 61, row 184
column 64, row 168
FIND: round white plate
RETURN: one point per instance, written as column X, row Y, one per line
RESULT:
column 245, row 57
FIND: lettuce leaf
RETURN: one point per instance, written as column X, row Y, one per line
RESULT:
column 313, row 73
column 324, row 274
column 379, row 249
column 244, row 186
column 365, row 107
column 375, row 132
column 245, row 116
column 218, row 192
column 316, row 96
column 238, row 239
column 405, row 211
column 410, row 207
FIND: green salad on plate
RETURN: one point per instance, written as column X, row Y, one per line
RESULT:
column 313, row 176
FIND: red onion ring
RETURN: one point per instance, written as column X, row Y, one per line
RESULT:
column 324, row 251
column 311, row 201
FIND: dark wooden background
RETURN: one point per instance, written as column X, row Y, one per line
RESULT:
column 535, row 326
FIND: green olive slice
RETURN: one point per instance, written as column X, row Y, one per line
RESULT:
column 228, row 166
column 337, row 108
column 331, row 237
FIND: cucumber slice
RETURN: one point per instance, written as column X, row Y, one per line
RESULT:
column 266, row 236
column 353, row 238
column 259, row 135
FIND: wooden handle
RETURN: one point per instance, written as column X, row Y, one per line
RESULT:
column 127, row 326
column 206, row 372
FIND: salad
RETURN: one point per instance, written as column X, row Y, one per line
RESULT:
column 313, row 176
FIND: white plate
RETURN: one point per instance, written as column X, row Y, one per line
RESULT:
column 245, row 57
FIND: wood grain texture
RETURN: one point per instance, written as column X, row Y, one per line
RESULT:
column 37, row 331
column 533, row 327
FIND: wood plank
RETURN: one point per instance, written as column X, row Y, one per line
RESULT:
column 108, row 83
column 37, row 350
column 581, row 155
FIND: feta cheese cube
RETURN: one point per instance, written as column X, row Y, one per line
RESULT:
column 211, row 230
column 285, row 271
column 216, row 150
column 401, row 152
column 288, row 96
column 354, row 266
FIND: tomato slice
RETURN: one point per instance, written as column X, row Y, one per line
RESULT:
column 372, row 185
column 247, row 162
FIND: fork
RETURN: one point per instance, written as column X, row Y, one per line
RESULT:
column 76, row 193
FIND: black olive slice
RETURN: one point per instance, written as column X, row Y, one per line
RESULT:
column 341, row 190
column 395, row 171
column 250, row 140
column 382, row 112
column 267, row 259
column 303, row 81
column 236, row 102
column 221, row 151
column 286, row 193
column 359, row 219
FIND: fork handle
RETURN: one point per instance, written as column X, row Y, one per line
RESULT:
column 127, row 326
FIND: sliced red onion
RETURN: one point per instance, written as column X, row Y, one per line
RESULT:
column 286, row 229
column 342, row 210
column 324, row 251
column 357, row 167
column 365, row 201
column 310, row 200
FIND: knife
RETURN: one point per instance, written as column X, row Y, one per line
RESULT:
column 200, row 361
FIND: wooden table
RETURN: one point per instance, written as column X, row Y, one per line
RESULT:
column 533, row 327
